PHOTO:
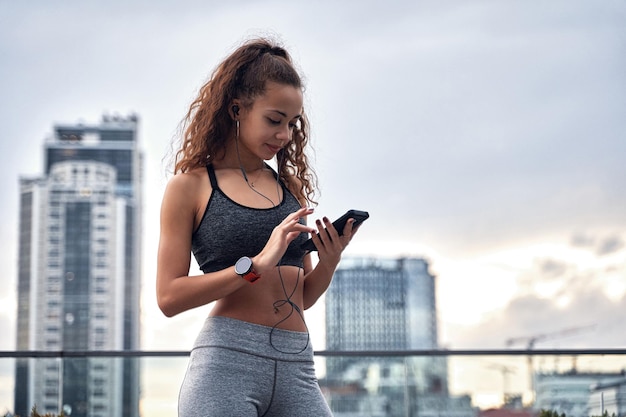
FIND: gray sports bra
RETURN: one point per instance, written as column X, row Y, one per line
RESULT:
column 229, row 230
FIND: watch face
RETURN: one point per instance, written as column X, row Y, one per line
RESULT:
column 243, row 265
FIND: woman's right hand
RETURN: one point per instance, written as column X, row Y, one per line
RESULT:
column 282, row 235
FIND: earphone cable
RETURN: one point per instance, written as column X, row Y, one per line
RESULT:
column 294, row 307
column 287, row 300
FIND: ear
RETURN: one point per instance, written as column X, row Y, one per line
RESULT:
column 234, row 109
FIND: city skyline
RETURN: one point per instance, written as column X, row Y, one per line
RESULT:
column 486, row 138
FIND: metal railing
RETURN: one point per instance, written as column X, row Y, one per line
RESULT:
column 452, row 383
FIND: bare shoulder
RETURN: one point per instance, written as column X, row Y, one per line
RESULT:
column 187, row 191
column 188, row 183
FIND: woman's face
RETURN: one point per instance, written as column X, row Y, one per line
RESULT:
column 267, row 126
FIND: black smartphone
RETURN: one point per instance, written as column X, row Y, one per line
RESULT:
column 358, row 216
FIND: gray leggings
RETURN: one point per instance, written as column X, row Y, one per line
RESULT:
column 235, row 371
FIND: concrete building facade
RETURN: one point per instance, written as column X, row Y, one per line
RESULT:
column 79, row 272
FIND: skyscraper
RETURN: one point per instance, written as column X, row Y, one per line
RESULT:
column 386, row 305
column 79, row 271
column 381, row 304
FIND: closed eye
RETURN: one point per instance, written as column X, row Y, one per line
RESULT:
column 292, row 125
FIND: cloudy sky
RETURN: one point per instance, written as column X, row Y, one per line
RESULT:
column 487, row 136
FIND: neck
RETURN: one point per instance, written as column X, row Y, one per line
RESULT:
column 247, row 166
column 239, row 159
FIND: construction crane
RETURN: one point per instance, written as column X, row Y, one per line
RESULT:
column 532, row 340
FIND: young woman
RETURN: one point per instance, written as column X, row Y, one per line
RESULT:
column 245, row 224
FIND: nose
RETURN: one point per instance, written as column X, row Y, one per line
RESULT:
column 284, row 134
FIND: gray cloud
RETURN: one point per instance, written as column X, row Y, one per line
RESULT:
column 610, row 245
column 582, row 240
column 551, row 268
column 600, row 244
column 590, row 320
column 565, row 302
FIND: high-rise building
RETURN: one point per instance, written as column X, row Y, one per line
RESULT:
column 381, row 304
column 79, row 272
column 386, row 305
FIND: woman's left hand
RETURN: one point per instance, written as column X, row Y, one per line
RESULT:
column 330, row 245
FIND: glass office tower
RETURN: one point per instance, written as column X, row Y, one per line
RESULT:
column 79, row 271
column 381, row 304
column 385, row 305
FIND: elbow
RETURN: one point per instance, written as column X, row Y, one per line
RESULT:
column 166, row 305
column 169, row 312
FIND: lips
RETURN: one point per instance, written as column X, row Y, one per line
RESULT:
column 273, row 149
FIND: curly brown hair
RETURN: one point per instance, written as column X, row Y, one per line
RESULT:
column 243, row 75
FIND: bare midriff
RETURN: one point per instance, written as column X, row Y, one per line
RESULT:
column 264, row 302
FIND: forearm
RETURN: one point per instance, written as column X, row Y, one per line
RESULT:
column 187, row 292
column 316, row 283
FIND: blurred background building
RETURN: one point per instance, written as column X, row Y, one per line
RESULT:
column 79, row 271
column 581, row 394
column 386, row 305
column 609, row 397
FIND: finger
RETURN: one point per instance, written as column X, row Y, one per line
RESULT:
column 333, row 234
column 347, row 229
column 304, row 211
column 321, row 237
column 349, row 234
column 295, row 217
column 328, row 235
column 350, row 229
column 296, row 228
column 301, row 226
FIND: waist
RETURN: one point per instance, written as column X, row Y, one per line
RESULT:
column 255, row 339
column 275, row 299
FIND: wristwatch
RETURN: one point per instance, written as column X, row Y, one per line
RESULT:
column 243, row 267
